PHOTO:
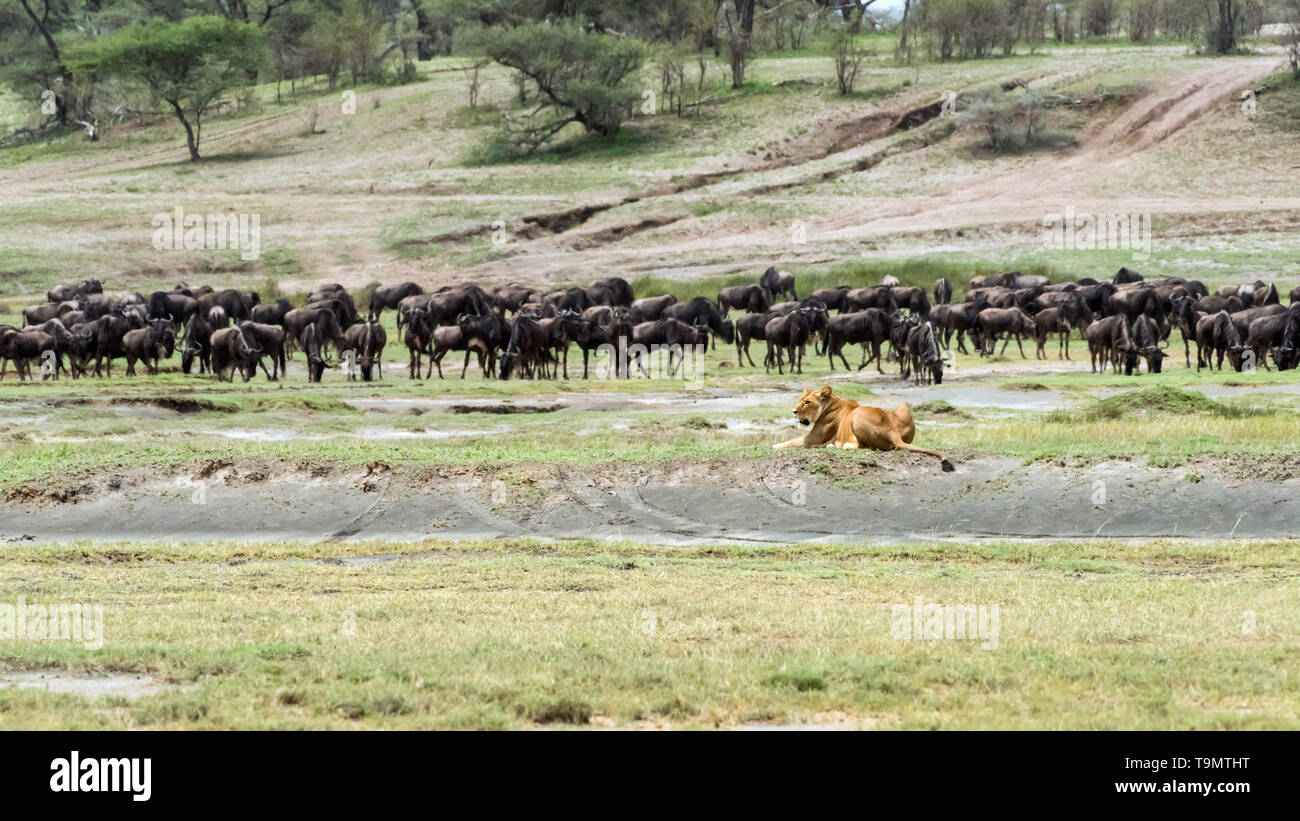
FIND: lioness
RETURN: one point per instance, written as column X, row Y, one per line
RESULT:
column 843, row 423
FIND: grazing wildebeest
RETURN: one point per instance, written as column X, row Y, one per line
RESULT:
column 149, row 344
column 525, row 346
column 704, row 311
column 198, row 343
column 1295, row 294
column 312, row 347
column 1217, row 335
column 673, row 334
column 859, row 299
column 558, row 330
column 485, row 334
column 1145, row 333
column 942, row 291
column 231, row 351
column 367, row 340
column 510, row 297
column 390, row 297
column 753, row 299
column 1124, row 275
column 991, row 323
column 1274, row 334
column 418, row 337
column 62, row 340
column 327, row 325
column 269, row 340
column 832, row 298
column 788, row 333
column 1243, row 318
column 272, row 314
column 927, row 363
column 868, row 328
column 775, row 282
column 339, row 300
column 1007, row 280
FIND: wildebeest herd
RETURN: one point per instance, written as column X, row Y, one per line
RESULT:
column 514, row 330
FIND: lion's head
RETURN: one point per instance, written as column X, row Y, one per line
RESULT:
column 812, row 404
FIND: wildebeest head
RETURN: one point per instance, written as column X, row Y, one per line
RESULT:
column 812, row 404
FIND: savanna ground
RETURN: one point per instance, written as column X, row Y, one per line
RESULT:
column 632, row 553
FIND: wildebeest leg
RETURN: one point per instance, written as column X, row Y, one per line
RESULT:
column 1019, row 345
column 585, row 354
column 961, row 341
column 465, row 367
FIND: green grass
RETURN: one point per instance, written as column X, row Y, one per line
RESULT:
column 517, row 634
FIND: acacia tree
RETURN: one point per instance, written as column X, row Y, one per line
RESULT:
column 581, row 77
column 187, row 65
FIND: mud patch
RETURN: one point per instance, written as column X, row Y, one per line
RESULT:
column 87, row 685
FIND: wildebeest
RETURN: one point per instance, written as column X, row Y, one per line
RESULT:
column 927, row 363
column 269, row 340
column 1145, row 334
column 149, row 344
column 232, row 351
column 272, row 314
column 667, row 333
column 832, row 298
column 485, row 334
column 753, row 299
column 1108, row 341
column 704, row 311
column 198, row 335
column 751, row 326
column 610, row 291
column 869, row 328
column 313, row 348
column 37, row 314
column 787, row 333
column 238, row 306
column 22, row 348
column 1275, row 334
column 367, row 340
column 914, row 300
column 942, row 291
column 62, row 293
column 775, row 282
column 957, row 318
column 859, row 299
column 992, row 323
column 1124, row 275
column 568, row 299
column 172, row 306
column 510, row 297
column 389, row 297
column 1217, row 335
column 525, row 347
column 327, row 325
column 615, row 335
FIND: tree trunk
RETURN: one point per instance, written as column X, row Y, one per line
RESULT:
column 191, row 140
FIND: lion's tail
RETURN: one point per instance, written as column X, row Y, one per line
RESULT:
column 903, row 414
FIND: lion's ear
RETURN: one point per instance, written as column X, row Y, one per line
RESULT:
column 825, row 391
